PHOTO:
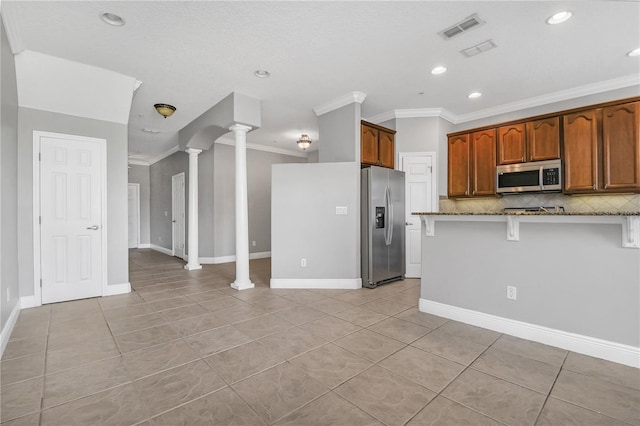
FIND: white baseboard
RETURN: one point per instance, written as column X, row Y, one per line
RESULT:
column 29, row 302
column 232, row 258
column 8, row 327
column 161, row 249
column 319, row 283
column 114, row 289
column 147, row 245
column 612, row 351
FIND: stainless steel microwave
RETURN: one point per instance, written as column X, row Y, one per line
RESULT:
column 538, row 176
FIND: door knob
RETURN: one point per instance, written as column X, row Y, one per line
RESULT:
column 408, row 223
column 94, row 227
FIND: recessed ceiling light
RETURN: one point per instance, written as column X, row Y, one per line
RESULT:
column 262, row 73
column 438, row 70
column 112, row 19
column 634, row 52
column 559, row 17
column 474, row 95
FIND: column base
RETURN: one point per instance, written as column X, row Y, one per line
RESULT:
column 242, row 286
column 190, row 267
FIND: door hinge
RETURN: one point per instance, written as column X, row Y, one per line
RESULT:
column 40, row 282
column 39, row 156
column 40, row 220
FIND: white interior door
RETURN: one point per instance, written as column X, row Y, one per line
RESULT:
column 419, row 197
column 134, row 214
column 177, row 215
column 71, row 231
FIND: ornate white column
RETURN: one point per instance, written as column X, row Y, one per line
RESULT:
column 242, row 281
column 193, row 210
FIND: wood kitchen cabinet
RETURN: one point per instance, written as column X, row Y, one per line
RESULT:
column 543, row 139
column 531, row 141
column 377, row 145
column 472, row 164
column 512, row 146
column 621, row 147
column 602, row 149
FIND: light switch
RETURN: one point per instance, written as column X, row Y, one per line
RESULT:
column 341, row 210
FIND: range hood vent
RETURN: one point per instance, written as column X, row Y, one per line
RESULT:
column 466, row 24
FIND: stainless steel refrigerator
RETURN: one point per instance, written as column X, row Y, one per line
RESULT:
column 382, row 226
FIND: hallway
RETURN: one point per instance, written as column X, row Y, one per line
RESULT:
column 184, row 348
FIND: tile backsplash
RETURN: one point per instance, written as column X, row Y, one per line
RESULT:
column 571, row 203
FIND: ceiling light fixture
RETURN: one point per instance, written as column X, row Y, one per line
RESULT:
column 438, row 70
column 634, row 52
column 262, row 73
column 304, row 142
column 559, row 18
column 111, row 19
column 165, row 110
column 474, row 95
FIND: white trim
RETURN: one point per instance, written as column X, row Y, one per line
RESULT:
column 184, row 213
column 12, row 28
column 317, row 283
column 559, row 96
column 29, row 302
column 137, row 162
column 137, row 188
column 114, row 289
column 37, row 274
column 333, row 105
column 162, row 250
column 612, row 351
column 5, row 334
column 146, row 245
column 265, row 148
column 162, row 156
column 232, row 258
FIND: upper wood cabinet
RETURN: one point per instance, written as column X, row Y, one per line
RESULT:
column 483, row 154
column 543, row 139
column 621, row 147
column 581, row 151
column 531, row 141
column 472, row 164
column 459, row 165
column 377, row 145
column 512, row 146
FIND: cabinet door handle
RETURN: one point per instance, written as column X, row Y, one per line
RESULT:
column 594, row 186
column 473, row 192
column 523, row 159
column 606, row 186
column 466, row 192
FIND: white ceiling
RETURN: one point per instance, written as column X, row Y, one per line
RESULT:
column 193, row 54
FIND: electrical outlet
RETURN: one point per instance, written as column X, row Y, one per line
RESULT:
column 253, row 243
column 340, row 210
column 303, row 262
column 512, row 292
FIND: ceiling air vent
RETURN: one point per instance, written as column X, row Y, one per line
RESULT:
column 478, row 48
column 466, row 24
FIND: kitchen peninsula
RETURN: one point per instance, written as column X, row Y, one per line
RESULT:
column 574, row 277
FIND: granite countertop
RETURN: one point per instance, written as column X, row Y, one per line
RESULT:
column 512, row 213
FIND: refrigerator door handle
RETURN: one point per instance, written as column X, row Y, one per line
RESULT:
column 391, row 218
column 388, row 226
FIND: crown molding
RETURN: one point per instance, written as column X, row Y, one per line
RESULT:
column 347, row 99
column 265, row 148
column 137, row 162
column 412, row 113
column 164, row 155
column 562, row 95
column 12, row 28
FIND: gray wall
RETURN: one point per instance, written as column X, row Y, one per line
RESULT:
column 571, row 277
column 141, row 175
column 8, row 182
column 216, row 198
column 160, row 206
column 304, row 222
column 340, row 134
column 116, row 136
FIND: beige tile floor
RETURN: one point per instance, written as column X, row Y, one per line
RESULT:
column 184, row 348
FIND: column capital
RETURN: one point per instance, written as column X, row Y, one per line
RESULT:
column 240, row 127
column 193, row 151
